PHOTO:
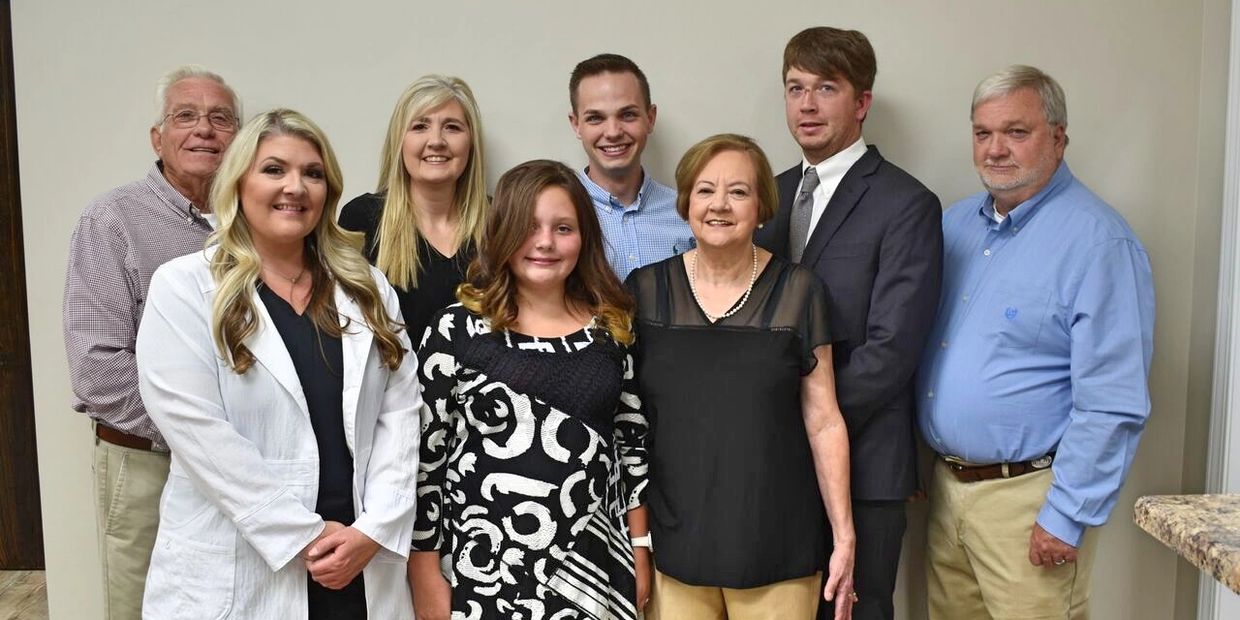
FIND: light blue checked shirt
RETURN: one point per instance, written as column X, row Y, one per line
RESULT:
column 645, row 232
column 1043, row 343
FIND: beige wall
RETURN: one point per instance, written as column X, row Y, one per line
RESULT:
column 1145, row 92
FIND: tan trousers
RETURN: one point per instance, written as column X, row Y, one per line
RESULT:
column 793, row 599
column 977, row 557
column 128, row 483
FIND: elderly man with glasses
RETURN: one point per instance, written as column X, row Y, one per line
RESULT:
column 121, row 237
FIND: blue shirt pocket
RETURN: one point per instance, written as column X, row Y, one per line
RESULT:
column 1015, row 315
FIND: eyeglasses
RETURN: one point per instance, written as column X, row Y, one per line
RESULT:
column 219, row 119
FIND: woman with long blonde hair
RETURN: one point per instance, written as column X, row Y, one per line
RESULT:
column 533, row 454
column 424, row 220
column 273, row 365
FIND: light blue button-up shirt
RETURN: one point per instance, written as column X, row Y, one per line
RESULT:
column 645, row 232
column 1043, row 344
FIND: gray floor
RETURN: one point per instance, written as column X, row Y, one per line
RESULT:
column 23, row 595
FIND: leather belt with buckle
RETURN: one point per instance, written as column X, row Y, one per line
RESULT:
column 970, row 472
column 122, row 439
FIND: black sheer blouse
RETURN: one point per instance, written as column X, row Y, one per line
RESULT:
column 733, row 494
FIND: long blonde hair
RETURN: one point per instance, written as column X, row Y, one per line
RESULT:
column 490, row 290
column 334, row 259
column 398, row 235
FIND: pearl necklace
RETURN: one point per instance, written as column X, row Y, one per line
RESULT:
column 753, row 277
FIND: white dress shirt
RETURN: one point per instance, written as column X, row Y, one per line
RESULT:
column 830, row 172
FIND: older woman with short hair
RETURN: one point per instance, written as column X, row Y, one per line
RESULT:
column 747, row 445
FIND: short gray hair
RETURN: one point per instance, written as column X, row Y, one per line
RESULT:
column 185, row 72
column 1016, row 77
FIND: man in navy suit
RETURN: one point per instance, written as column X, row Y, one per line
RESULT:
column 872, row 234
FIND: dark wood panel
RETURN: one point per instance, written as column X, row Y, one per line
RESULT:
column 21, row 523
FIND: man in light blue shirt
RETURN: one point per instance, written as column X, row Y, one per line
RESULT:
column 1033, row 388
column 613, row 117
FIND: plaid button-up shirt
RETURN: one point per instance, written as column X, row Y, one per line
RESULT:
column 119, row 241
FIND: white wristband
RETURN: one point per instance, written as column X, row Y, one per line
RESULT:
column 643, row 541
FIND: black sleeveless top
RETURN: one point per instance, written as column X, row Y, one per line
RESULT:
column 733, row 495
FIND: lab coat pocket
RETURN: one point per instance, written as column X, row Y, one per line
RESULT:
column 189, row 579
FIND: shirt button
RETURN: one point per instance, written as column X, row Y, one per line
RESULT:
column 943, row 344
column 930, row 394
column 632, row 257
column 965, row 298
column 986, row 252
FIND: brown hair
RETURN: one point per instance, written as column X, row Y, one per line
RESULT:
column 605, row 63
column 490, row 290
column 831, row 53
column 700, row 154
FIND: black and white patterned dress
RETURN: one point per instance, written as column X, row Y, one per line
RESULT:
column 533, row 451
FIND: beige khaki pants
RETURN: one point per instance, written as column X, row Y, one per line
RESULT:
column 977, row 556
column 794, row 599
column 128, row 483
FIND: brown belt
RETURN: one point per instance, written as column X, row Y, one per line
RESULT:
column 121, row 438
column 968, row 472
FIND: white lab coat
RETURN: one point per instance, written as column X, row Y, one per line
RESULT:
column 239, row 503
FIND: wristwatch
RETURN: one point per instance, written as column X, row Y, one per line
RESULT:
column 643, row 541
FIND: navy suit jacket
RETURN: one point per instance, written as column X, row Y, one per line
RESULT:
column 878, row 247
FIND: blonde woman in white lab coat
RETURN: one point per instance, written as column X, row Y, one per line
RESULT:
column 274, row 364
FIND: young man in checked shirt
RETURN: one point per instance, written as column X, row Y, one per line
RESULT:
column 119, row 241
column 612, row 116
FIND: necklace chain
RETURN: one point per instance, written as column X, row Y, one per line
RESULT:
column 293, row 280
column 753, row 277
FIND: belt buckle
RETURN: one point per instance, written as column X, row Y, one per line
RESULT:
column 1041, row 462
column 954, row 463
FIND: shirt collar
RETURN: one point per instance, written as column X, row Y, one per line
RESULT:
column 598, row 194
column 159, row 184
column 1021, row 214
column 837, row 165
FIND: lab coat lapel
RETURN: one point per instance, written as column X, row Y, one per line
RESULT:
column 268, row 348
column 355, row 341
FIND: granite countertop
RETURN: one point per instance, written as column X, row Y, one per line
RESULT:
column 1205, row 529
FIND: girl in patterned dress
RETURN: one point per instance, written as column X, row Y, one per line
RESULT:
column 533, row 460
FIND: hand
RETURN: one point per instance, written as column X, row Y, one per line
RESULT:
column 644, row 572
column 1047, row 551
column 432, row 596
column 839, row 587
column 329, row 528
column 337, row 558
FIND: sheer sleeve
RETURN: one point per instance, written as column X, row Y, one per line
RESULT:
column 814, row 324
column 439, row 404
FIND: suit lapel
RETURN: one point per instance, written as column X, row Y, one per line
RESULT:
column 852, row 187
column 355, row 341
column 269, row 350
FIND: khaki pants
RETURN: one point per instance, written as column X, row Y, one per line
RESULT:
column 977, row 557
column 128, row 483
column 793, row 599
